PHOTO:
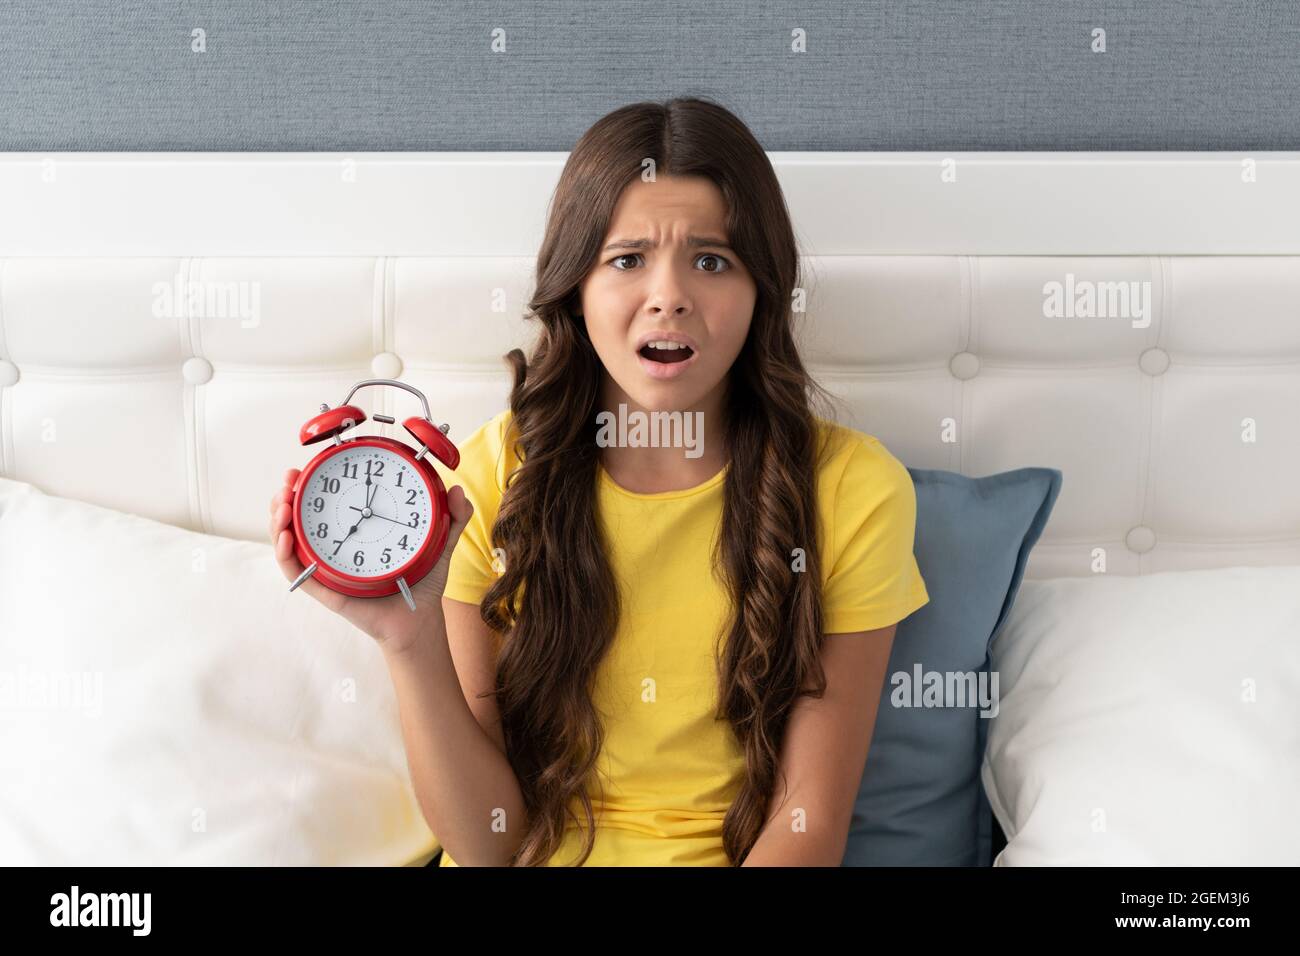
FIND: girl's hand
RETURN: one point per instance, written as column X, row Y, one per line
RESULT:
column 387, row 619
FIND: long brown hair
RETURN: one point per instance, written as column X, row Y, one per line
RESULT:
column 557, row 602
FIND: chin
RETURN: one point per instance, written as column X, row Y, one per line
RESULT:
column 665, row 397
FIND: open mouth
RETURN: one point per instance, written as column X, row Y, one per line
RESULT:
column 668, row 353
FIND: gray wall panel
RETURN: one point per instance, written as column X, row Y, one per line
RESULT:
column 344, row 75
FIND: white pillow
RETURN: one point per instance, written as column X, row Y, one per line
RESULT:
column 1149, row 720
column 164, row 699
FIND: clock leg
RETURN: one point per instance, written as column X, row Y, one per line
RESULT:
column 406, row 593
column 304, row 576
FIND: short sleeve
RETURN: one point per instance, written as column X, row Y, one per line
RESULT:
column 874, row 580
column 473, row 567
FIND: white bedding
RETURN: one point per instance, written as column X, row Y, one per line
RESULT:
column 1150, row 720
column 165, row 700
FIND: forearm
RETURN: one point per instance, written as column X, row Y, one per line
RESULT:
column 467, row 790
column 781, row 844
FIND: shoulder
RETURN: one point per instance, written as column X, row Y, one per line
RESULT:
column 861, row 484
column 854, row 457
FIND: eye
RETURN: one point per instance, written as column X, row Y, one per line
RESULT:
column 722, row 264
column 626, row 255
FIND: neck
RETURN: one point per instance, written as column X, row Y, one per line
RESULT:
column 691, row 439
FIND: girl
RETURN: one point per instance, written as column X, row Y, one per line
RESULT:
column 667, row 652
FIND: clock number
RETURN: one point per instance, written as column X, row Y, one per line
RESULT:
column 337, row 544
column 359, row 559
column 399, row 477
column 349, row 469
column 318, row 504
column 329, row 485
column 388, row 555
column 322, row 530
column 403, row 545
column 378, row 471
column 410, row 497
column 415, row 520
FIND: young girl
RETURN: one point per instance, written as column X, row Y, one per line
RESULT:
column 653, row 654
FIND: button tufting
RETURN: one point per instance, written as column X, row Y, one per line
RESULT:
column 386, row 365
column 964, row 365
column 197, row 371
column 1154, row 361
column 8, row 373
column 1140, row 539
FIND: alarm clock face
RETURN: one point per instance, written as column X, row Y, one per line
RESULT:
column 366, row 511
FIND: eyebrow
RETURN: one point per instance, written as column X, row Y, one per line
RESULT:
column 647, row 244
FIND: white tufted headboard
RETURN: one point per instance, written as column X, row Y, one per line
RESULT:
column 1176, row 423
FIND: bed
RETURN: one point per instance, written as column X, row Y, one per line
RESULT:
column 169, row 321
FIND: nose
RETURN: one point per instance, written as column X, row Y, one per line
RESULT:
column 668, row 293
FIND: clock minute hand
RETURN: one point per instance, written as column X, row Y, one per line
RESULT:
column 385, row 517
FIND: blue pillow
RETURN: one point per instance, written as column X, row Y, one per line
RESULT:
column 921, row 802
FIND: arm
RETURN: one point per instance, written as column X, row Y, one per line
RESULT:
column 455, row 749
column 824, row 754
column 439, row 660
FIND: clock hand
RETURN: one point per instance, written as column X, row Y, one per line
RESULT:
column 353, row 529
column 385, row 517
column 351, row 532
column 369, row 496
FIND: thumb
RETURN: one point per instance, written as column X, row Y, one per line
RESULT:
column 461, row 511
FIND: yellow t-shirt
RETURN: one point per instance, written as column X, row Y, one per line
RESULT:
column 670, row 769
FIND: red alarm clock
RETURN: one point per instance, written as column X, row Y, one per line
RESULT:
column 370, row 514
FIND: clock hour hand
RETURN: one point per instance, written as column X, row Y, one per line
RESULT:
column 365, row 512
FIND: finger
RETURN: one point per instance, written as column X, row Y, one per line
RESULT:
column 279, row 520
column 284, row 551
column 287, row 558
column 282, row 544
column 462, row 509
column 291, row 476
column 285, row 493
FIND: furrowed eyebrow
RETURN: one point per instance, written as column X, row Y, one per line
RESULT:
column 693, row 241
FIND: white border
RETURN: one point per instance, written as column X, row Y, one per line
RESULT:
column 494, row 203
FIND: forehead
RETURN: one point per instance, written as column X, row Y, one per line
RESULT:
column 670, row 202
